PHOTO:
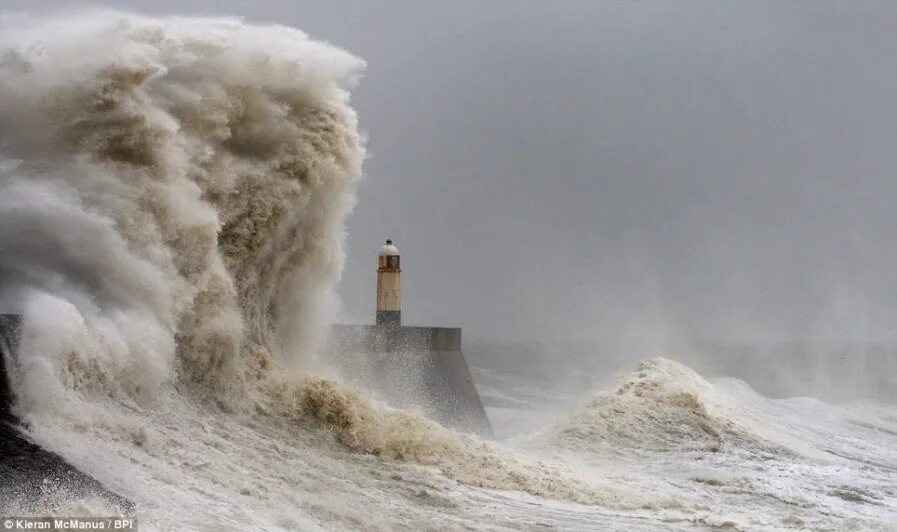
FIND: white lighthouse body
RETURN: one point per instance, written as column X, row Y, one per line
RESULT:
column 389, row 307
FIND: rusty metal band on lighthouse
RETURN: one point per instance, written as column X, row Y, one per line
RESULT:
column 389, row 307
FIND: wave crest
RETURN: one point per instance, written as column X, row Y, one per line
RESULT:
column 173, row 196
column 367, row 426
column 661, row 406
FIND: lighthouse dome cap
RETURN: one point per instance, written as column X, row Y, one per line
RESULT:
column 389, row 249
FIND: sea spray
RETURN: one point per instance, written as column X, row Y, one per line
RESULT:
column 173, row 196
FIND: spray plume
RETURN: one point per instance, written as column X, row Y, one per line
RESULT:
column 172, row 198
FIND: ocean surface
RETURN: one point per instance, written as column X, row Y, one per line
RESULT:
column 663, row 449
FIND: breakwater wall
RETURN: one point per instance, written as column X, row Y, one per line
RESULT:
column 413, row 367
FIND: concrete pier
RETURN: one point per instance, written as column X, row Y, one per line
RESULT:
column 32, row 477
column 413, row 367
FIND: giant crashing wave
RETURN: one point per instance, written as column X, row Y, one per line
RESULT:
column 172, row 203
column 172, row 200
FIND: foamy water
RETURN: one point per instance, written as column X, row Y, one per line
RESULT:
column 724, row 458
column 172, row 203
column 752, row 462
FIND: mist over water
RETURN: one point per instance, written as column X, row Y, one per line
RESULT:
column 173, row 200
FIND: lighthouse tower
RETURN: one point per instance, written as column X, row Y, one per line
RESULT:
column 438, row 380
column 389, row 307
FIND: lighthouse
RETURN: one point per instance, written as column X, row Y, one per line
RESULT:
column 411, row 367
column 389, row 307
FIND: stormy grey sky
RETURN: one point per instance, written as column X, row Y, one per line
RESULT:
column 641, row 171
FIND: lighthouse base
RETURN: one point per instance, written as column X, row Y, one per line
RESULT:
column 414, row 368
column 389, row 318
